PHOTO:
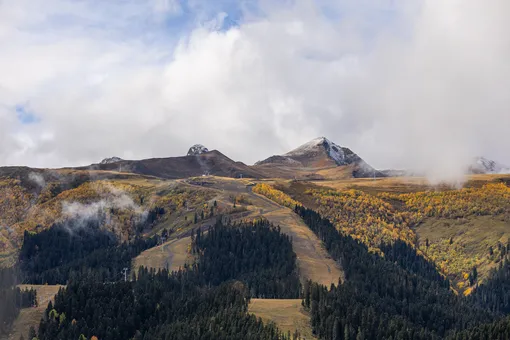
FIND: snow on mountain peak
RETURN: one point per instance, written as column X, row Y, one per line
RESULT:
column 484, row 165
column 111, row 160
column 197, row 149
column 334, row 151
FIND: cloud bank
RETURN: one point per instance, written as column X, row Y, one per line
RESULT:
column 406, row 84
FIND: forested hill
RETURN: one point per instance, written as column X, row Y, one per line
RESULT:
column 53, row 255
column 397, row 297
column 207, row 300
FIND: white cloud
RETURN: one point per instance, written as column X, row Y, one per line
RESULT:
column 167, row 7
column 404, row 84
column 37, row 179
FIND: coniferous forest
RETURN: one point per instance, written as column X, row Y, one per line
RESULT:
column 207, row 300
column 53, row 255
column 398, row 295
column 259, row 255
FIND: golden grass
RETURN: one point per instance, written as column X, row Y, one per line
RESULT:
column 313, row 260
column 405, row 184
column 287, row 314
column 172, row 255
column 387, row 184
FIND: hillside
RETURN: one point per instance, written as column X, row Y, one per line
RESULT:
column 463, row 233
column 439, row 232
column 457, row 229
column 126, row 204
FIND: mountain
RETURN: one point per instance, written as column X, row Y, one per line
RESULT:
column 111, row 160
column 203, row 163
column 482, row 165
column 321, row 153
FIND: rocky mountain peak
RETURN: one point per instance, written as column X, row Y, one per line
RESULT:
column 340, row 155
column 482, row 165
column 111, row 160
column 197, row 149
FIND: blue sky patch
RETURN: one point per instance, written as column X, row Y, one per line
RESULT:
column 25, row 115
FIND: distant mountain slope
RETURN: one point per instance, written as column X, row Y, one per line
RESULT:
column 482, row 165
column 204, row 163
column 321, row 153
column 479, row 165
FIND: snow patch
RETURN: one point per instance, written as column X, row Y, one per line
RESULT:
column 334, row 151
column 484, row 165
column 111, row 160
column 197, row 149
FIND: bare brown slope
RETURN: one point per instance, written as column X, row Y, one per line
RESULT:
column 212, row 163
column 288, row 315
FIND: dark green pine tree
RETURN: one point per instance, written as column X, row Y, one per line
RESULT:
column 337, row 330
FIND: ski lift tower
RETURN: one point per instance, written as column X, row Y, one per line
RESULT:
column 124, row 271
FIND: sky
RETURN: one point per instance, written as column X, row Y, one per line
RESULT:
column 417, row 84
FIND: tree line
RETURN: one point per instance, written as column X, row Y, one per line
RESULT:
column 53, row 255
column 206, row 300
column 12, row 298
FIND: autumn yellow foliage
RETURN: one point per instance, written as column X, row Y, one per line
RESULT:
column 457, row 256
column 275, row 195
column 363, row 216
column 14, row 201
column 491, row 199
column 451, row 258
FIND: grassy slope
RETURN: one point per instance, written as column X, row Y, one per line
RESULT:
column 288, row 315
column 32, row 316
column 172, row 255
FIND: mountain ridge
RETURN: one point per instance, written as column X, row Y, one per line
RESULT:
column 319, row 158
